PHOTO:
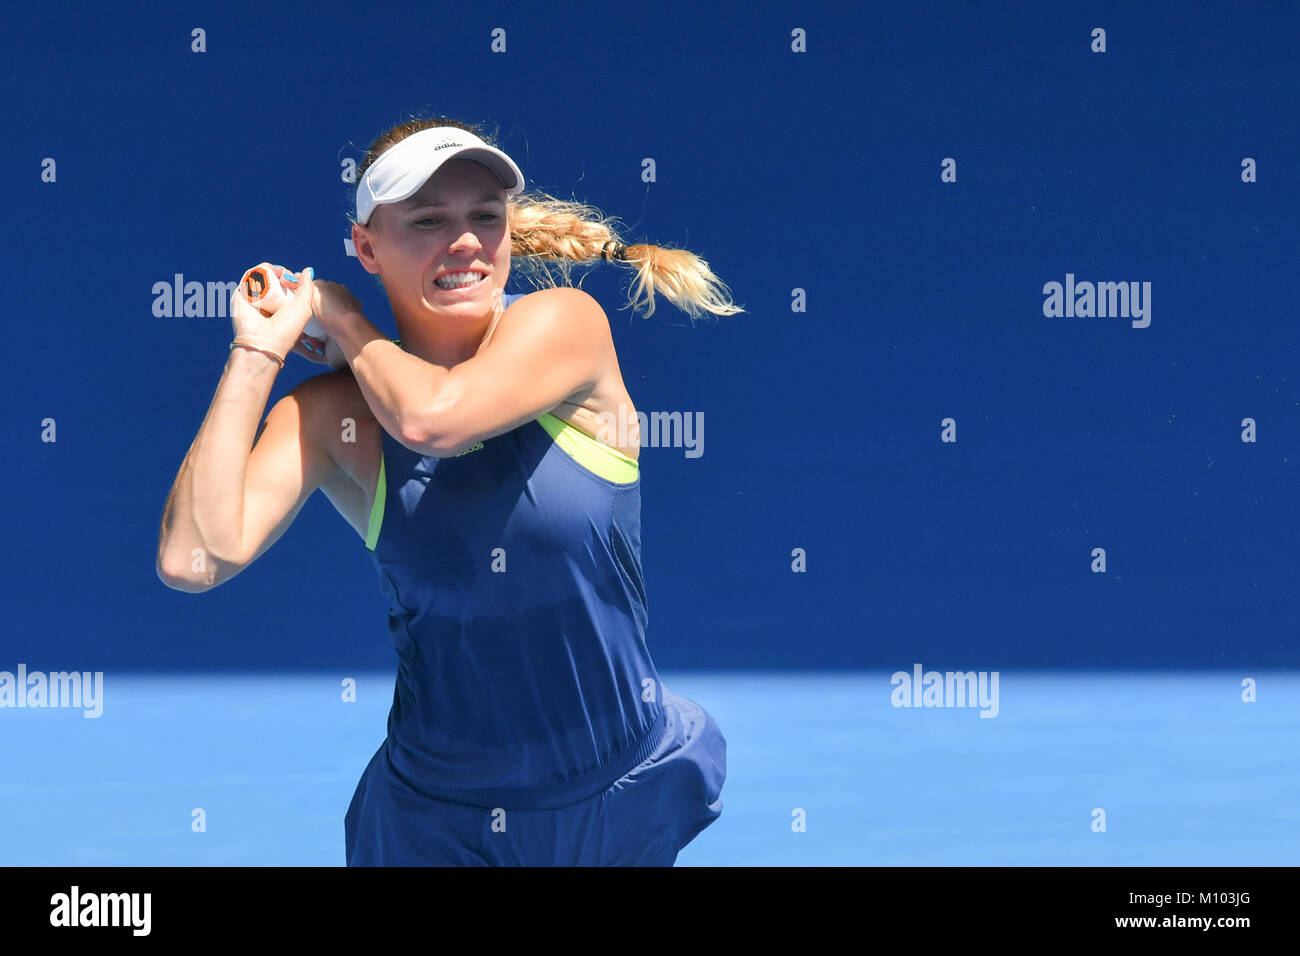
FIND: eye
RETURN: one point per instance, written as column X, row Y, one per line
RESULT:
column 486, row 215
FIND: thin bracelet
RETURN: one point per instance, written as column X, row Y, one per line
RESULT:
column 254, row 348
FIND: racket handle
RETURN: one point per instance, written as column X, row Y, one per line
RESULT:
column 264, row 291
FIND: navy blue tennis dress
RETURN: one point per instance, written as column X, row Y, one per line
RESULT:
column 528, row 725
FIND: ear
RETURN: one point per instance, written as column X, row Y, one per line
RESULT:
column 365, row 248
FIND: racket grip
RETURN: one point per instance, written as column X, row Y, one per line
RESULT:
column 264, row 291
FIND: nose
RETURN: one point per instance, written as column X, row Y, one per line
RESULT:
column 466, row 240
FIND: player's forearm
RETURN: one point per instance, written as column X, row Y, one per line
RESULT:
column 401, row 389
column 205, row 508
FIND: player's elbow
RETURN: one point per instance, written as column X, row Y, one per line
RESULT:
column 435, row 429
column 181, row 581
column 181, row 572
column 422, row 439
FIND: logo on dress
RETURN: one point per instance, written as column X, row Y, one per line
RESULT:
column 475, row 447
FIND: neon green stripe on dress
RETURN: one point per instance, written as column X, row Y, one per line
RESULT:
column 377, row 509
column 594, row 455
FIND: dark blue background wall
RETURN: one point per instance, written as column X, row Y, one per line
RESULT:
column 818, row 171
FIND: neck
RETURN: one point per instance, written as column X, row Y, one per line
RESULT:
column 444, row 342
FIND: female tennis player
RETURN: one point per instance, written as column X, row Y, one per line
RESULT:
column 528, row 725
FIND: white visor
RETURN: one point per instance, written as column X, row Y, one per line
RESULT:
column 402, row 169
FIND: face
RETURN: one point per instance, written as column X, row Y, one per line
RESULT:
column 456, row 222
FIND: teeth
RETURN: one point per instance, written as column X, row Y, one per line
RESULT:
column 457, row 280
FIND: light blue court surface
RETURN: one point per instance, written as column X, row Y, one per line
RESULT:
column 1187, row 773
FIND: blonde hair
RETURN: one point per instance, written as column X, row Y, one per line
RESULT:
column 546, row 231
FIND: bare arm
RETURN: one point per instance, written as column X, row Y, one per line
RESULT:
column 232, row 504
column 548, row 346
column 229, row 504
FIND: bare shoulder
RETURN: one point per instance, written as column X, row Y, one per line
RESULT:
column 563, row 316
column 328, row 395
column 569, row 307
column 579, row 313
